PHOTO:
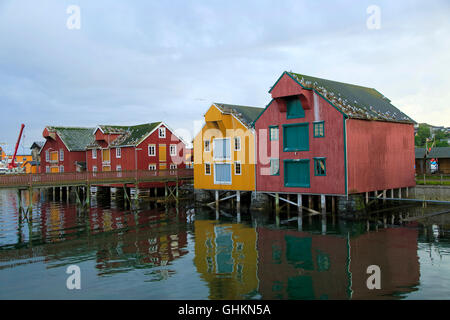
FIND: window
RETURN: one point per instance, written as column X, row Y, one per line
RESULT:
column 47, row 155
column 47, row 169
column 207, row 146
column 274, row 167
column 294, row 108
column 152, row 150
column 173, row 166
column 207, row 169
column 119, row 168
column 221, row 149
column 61, row 154
column 296, row 137
column 222, row 173
column 152, row 167
column 319, row 129
column 237, row 143
column 237, row 168
column 320, row 168
column 94, row 153
column 94, row 169
column 61, row 169
column 173, row 150
column 273, row 133
column 162, row 132
column 118, row 153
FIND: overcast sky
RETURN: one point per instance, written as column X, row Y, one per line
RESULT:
column 134, row 62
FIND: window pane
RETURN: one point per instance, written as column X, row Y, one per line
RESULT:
column 223, row 173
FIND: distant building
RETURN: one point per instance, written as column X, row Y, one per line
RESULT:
column 442, row 156
column 152, row 146
column 64, row 149
column 36, row 156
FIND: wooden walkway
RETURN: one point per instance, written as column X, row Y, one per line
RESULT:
column 48, row 180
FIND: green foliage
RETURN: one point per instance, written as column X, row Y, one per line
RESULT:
column 423, row 133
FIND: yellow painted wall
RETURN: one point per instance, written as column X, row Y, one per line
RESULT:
column 227, row 259
column 219, row 125
column 23, row 161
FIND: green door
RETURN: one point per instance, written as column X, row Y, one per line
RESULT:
column 296, row 173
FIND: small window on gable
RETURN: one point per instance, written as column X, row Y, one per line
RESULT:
column 294, row 108
column 319, row 129
column 162, row 132
column 207, row 146
column 61, row 154
column 94, row 153
column 118, row 153
column 47, row 155
column 237, row 143
column 320, row 168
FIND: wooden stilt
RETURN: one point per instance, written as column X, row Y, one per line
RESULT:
column 333, row 204
column 217, row 198
column 399, row 193
column 277, row 203
column 299, row 202
column 238, row 201
column 310, row 202
column 367, row 197
column 323, row 202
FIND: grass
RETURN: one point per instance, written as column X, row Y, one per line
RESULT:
column 433, row 182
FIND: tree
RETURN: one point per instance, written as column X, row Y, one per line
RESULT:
column 423, row 133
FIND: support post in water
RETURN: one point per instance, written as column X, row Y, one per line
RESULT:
column 323, row 202
column 238, row 201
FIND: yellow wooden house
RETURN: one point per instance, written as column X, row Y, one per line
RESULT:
column 224, row 150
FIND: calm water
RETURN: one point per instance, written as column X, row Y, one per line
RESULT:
column 174, row 253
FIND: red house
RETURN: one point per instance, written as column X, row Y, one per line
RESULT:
column 64, row 149
column 324, row 137
column 152, row 146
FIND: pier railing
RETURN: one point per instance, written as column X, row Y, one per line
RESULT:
column 94, row 178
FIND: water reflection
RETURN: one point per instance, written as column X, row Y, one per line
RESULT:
column 169, row 253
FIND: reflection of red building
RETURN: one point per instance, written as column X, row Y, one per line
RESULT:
column 394, row 250
column 299, row 265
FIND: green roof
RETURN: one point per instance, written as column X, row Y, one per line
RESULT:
column 439, row 152
column 75, row 139
column 354, row 101
column 420, row 153
column 129, row 135
column 246, row 114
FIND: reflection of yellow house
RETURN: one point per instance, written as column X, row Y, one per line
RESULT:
column 226, row 258
column 224, row 150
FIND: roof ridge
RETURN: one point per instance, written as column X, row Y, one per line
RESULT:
column 340, row 82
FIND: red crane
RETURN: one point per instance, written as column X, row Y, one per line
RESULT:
column 13, row 162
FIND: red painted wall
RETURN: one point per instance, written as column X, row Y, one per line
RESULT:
column 380, row 155
column 70, row 158
column 128, row 162
column 331, row 146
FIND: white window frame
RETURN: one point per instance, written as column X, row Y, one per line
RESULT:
column 61, row 169
column 118, row 153
column 152, row 167
column 173, row 166
column 238, row 139
column 214, row 154
column 209, row 145
column 61, row 154
column 240, row 166
column 119, row 168
column 210, row 168
column 174, row 153
column 231, row 174
column 161, row 132
column 270, row 166
column 94, row 153
column 47, row 155
column 154, row 150
column 47, row 169
column 94, row 169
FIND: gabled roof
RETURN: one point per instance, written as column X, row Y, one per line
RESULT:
column 439, row 152
column 37, row 144
column 74, row 138
column 354, row 101
column 420, row 153
column 246, row 115
column 129, row 135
